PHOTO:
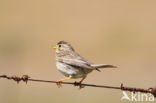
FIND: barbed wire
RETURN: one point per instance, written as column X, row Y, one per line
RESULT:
column 26, row 78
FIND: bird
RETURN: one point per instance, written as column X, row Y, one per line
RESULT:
column 72, row 65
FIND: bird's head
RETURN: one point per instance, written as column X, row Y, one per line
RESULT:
column 63, row 47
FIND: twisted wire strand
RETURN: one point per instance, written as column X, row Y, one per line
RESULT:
column 26, row 78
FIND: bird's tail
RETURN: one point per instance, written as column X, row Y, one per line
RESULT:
column 96, row 66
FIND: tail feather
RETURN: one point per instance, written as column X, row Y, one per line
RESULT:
column 96, row 66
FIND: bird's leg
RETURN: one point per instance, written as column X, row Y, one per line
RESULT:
column 80, row 86
column 59, row 82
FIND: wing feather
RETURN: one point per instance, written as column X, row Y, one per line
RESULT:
column 76, row 63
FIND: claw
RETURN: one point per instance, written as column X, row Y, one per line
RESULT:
column 59, row 84
column 81, row 86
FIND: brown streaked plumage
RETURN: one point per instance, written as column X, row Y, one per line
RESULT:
column 72, row 65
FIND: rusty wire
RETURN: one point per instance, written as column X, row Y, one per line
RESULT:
column 26, row 78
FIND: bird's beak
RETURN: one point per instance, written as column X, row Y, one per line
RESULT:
column 55, row 47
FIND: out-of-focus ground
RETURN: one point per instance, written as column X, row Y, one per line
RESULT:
column 118, row 32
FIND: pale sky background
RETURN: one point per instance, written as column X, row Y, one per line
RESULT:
column 118, row 32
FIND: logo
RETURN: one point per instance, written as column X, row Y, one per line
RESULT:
column 137, row 97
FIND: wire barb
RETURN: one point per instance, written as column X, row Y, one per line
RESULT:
column 26, row 78
column 17, row 79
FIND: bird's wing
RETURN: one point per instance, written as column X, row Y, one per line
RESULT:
column 76, row 63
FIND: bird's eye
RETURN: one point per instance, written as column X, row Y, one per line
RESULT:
column 59, row 46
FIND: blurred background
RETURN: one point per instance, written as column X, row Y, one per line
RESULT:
column 118, row 32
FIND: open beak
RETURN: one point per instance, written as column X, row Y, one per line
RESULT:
column 55, row 47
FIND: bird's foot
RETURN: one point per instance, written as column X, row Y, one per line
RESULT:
column 59, row 84
column 79, row 84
